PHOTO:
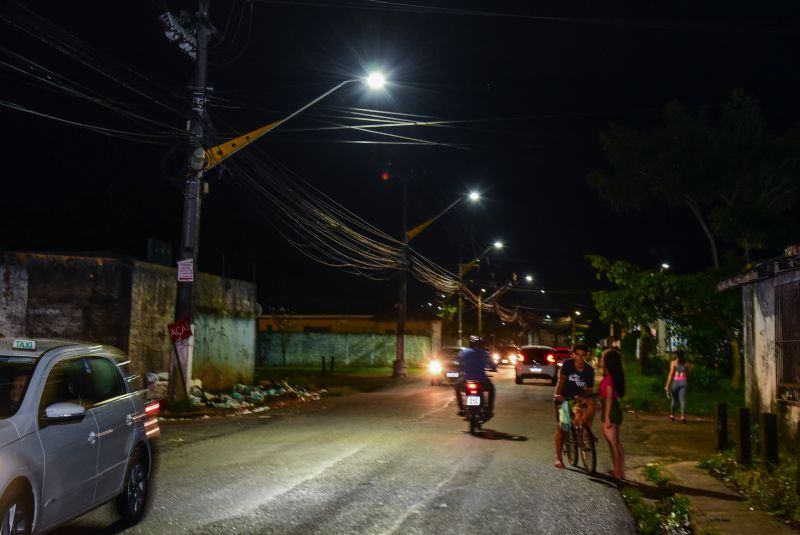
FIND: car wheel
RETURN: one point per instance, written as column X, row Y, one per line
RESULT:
column 132, row 502
column 16, row 514
column 518, row 379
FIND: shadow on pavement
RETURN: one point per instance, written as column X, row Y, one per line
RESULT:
column 78, row 529
column 491, row 434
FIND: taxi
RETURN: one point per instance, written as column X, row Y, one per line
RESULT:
column 74, row 434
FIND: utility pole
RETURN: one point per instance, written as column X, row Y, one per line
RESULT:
column 400, row 356
column 192, row 191
column 460, row 304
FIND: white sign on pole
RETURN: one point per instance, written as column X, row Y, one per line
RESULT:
column 186, row 270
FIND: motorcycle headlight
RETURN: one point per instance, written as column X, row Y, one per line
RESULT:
column 435, row 367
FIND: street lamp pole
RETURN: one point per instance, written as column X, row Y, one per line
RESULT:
column 400, row 355
column 192, row 192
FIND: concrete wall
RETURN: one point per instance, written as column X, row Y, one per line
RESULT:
column 759, row 345
column 344, row 323
column 128, row 304
column 224, row 350
column 64, row 296
column 307, row 349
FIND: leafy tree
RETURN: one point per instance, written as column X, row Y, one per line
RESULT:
column 691, row 303
column 738, row 181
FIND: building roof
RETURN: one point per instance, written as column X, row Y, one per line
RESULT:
column 761, row 271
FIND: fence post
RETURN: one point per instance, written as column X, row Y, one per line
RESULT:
column 323, row 365
column 332, row 360
column 722, row 426
column 744, row 451
column 769, row 438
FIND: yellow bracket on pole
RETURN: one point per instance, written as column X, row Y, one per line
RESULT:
column 215, row 155
column 419, row 228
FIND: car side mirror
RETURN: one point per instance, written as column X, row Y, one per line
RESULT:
column 63, row 412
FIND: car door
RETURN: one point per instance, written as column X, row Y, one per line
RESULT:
column 70, row 448
column 113, row 411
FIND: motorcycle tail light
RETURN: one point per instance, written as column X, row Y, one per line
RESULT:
column 551, row 358
column 472, row 386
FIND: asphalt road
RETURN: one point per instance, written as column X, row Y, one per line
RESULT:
column 394, row 461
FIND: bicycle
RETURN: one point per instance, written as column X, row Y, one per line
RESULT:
column 580, row 441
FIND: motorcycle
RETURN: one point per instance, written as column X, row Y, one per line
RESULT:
column 477, row 406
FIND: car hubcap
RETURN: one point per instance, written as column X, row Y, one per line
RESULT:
column 136, row 488
column 14, row 520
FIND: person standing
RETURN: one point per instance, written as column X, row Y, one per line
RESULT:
column 676, row 384
column 612, row 388
column 575, row 380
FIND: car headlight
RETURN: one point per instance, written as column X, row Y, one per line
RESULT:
column 496, row 357
column 435, row 367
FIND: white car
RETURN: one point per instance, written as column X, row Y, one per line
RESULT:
column 73, row 434
column 537, row 362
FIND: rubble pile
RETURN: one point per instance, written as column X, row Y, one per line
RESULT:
column 241, row 398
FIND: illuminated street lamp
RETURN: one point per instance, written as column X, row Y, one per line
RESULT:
column 529, row 278
column 201, row 160
column 399, row 366
column 664, row 266
column 462, row 270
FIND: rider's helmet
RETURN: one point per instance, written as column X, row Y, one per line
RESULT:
column 476, row 342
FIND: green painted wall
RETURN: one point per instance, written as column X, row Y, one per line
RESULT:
column 356, row 350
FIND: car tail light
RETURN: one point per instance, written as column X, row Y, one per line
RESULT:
column 551, row 358
column 152, row 408
column 520, row 358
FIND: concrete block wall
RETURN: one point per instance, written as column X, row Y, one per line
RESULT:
column 356, row 350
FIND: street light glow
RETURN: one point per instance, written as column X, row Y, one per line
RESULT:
column 498, row 245
column 474, row 196
column 376, row 80
column 577, row 312
column 664, row 265
column 529, row 278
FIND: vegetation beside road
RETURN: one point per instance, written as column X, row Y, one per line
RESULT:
column 342, row 381
column 771, row 489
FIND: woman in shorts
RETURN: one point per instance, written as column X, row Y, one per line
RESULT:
column 612, row 388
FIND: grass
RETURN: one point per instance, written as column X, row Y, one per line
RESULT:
column 652, row 472
column 342, row 382
column 669, row 515
column 646, row 393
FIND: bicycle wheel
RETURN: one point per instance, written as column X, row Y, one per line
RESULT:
column 585, row 440
column 569, row 449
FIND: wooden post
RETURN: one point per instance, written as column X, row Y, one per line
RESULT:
column 769, row 438
column 744, row 450
column 323, row 366
column 332, row 360
column 722, row 426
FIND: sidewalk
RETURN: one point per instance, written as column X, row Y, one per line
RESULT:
column 678, row 448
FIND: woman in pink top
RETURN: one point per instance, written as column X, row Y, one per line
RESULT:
column 612, row 387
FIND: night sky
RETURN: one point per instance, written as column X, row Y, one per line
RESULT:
column 529, row 86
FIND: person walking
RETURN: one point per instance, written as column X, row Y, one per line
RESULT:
column 612, row 388
column 676, row 384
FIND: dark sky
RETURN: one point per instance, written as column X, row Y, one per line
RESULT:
column 538, row 87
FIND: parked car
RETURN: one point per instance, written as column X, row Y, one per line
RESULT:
column 537, row 362
column 505, row 355
column 562, row 354
column 73, row 434
column 443, row 368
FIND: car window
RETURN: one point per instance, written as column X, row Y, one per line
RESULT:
column 14, row 379
column 105, row 380
column 65, row 383
column 538, row 354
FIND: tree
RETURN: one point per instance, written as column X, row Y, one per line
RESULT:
column 690, row 302
column 738, row 181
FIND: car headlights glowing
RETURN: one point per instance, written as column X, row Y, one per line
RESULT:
column 435, row 367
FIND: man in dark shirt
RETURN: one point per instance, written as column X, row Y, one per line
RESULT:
column 575, row 380
column 473, row 363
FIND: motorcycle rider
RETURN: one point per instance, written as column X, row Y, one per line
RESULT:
column 473, row 362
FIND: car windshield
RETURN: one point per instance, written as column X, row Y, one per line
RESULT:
column 14, row 376
column 506, row 350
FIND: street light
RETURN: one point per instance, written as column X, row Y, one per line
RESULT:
column 462, row 270
column 664, row 266
column 399, row 366
column 201, row 160
column 529, row 278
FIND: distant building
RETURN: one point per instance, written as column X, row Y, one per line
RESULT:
column 771, row 309
column 129, row 303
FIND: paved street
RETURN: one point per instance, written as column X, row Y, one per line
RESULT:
column 395, row 461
